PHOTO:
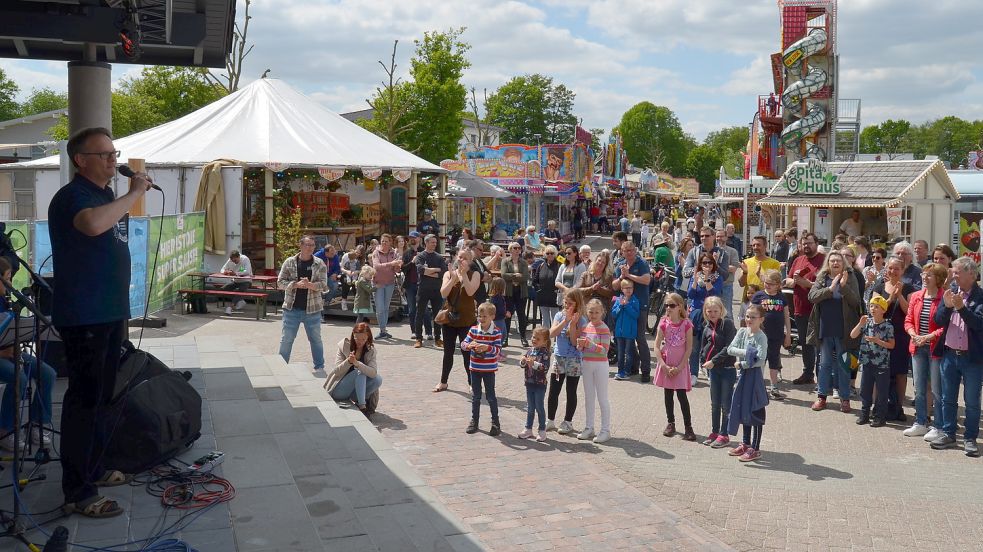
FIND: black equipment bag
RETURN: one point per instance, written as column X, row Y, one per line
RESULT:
column 155, row 414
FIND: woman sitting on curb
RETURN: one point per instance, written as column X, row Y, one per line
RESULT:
column 356, row 374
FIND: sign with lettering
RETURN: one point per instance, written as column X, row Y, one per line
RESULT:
column 811, row 177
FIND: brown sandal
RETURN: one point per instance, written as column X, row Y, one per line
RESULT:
column 440, row 387
column 97, row 507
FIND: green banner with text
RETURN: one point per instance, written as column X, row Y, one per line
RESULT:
column 181, row 250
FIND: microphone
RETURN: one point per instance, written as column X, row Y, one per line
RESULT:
column 126, row 171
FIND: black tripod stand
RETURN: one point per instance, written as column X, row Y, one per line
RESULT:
column 14, row 336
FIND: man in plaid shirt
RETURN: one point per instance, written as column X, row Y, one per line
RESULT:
column 303, row 278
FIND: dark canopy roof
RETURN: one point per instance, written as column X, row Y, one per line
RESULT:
column 463, row 184
column 189, row 32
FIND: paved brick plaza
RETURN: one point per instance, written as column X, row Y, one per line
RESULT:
column 823, row 482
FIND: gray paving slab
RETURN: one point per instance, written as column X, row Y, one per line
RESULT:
column 254, row 461
column 273, row 517
column 228, row 385
column 387, row 535
column 357, row 543
column 301, row 455
column 281, row 416
column 330, row 509
column 238, row 417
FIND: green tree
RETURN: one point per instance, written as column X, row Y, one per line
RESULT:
column 733, row 162
column 519, row 106
column 654, row 139
column 703, row 164
column 175, row 91
column 731, row 138
column 951, row 138
column 560, row 120
column 595, row 140
column 390, row 105
column 438, row 97
column 8, row 97
column 889, row 137
column 43, row 100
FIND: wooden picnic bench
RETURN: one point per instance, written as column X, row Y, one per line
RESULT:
column 259, row 296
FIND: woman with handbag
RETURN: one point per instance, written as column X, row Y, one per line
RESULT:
column 545, row 283
column 515, row 272
column 458, row 314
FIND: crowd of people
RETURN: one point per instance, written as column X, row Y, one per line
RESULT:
column 847, row 308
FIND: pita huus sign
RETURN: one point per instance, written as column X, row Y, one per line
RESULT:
column 811, row 177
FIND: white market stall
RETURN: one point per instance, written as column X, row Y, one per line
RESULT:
column 277, row 138
column 896, row 199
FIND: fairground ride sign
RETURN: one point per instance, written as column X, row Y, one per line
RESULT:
column 811, row 177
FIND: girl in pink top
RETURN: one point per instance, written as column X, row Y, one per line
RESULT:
column 386, row 261
column 673, row 345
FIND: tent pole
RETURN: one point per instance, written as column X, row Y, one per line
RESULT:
column 442, row 208
column 411, row 201
column 268, row 209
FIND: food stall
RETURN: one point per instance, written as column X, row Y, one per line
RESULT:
column 895, row 199
column 472, row 202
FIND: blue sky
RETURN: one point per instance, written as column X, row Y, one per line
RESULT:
column 707, row 60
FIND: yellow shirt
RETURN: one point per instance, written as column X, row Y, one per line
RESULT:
column 752, row 273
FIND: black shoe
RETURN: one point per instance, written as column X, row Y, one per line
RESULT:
column 877, row 422
column 472, row 427
column 901, row 417
column 496, row 430
column 864, row 418
column 804, row 380
column 646, row 378
column 525, row 343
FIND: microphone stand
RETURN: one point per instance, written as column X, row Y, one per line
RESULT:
column 14, row 528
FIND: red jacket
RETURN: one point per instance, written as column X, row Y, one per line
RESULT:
column 911, row 320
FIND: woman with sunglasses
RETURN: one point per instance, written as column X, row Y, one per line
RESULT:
column 544, row 282
column 570, row 271
column 515, row 272
column 875, row 270
column 706, row 282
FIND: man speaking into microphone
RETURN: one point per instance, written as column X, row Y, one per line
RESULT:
column 88, row 226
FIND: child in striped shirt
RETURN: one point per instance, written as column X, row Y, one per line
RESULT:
column 484, row 341
column 594, row 343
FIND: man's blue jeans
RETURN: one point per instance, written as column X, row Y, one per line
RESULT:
column 644, row 356
column 40, row 403
column 356, row 385
column 926, row 369
column 722, row 382
column 333, row 290
column 411, row 296
column 312, row 325
column 958, row 369
column 626, row 355
column 831, row 351
column 383, row 296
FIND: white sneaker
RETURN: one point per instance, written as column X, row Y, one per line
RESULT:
column 916, row 430
column 933, row 434
column 586, row 434
column 228, row 310
column 602, row 437
column 240, row 305
column 526, row 434
column 344, row 305
column 542, row 437
column 692, row 380
column 45, row 437
column 7, row 443
column 836, row 394
column 550, row 425
column 565, row 427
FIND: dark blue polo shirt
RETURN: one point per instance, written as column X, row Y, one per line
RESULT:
column 92, row 273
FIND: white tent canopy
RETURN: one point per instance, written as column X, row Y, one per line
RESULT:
column 266, row 123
